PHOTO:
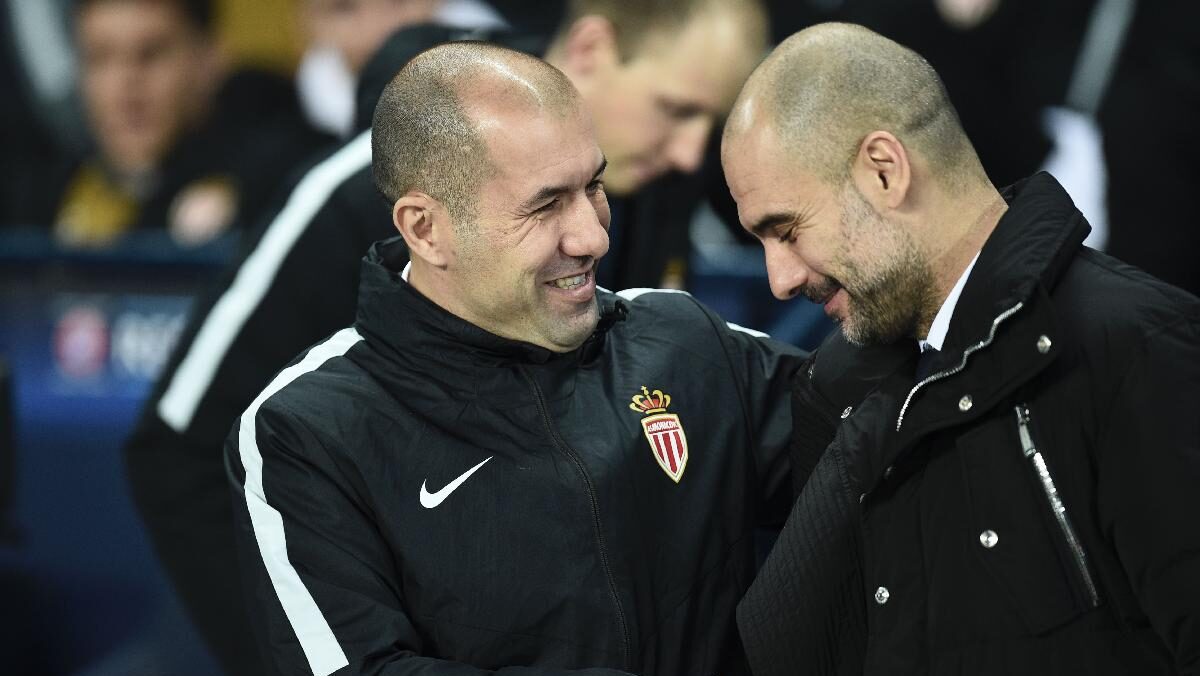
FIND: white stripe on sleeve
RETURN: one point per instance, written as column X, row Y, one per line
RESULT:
column 198, row 367
column 752, row 332
column 631, row 294
column 316, row 639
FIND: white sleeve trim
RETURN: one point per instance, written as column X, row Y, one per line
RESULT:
column 195, row 373
column 631, row 294
column 752, row 332
column 316, row 638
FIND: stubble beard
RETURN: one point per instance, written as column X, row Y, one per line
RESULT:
column 888, row 294
column 570, row 333
column 538, row 321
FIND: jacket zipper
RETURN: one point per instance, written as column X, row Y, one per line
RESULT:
column 596, row 525
column 1056, row 504
column 963, row 364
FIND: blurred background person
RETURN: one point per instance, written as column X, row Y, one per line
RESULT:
column 1146, row 116
column 39, row 116
column 657, row 78
column 176, row 143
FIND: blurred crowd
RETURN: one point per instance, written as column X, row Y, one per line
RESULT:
column 193, row 115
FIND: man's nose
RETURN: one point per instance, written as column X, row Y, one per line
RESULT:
column 785, row 271
column 583, row 233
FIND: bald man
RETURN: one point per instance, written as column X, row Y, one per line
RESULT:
column 1013, row 499
column 500, row 466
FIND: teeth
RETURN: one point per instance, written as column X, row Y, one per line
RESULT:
column 570, row 282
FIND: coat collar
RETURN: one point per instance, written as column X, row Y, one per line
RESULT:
column 395, row 317
column 994, row 344
column 1033, row 243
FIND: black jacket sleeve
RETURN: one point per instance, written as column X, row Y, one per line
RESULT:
column 321, row 579
column 835, row 380
column 765, row 370
column 1148, row 470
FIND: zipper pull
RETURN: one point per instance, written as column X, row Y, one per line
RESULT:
column 1023, row 430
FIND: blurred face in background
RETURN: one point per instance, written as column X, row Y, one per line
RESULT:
column 147, row 74
column 356, row 28
column 654, row 110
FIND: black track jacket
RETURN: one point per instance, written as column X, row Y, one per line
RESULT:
column 416, row 495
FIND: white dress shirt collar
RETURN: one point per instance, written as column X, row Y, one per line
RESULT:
column 941, row 321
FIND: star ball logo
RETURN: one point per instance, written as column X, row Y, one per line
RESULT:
column 663, row 430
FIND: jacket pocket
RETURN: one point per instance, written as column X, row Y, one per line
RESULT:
column 1066, row 528
column 1025, row 539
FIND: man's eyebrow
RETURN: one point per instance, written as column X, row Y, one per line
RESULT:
column 765, row 225
column 556, row 190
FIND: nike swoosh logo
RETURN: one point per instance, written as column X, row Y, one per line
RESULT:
column 431, row 500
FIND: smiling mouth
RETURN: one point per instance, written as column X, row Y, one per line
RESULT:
column 822, row 289
column 821, row 296
column 574, row 281
column 570, row 282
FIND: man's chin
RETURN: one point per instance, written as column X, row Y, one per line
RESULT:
column 860, row 334
column 853, row 337
column 572, row 331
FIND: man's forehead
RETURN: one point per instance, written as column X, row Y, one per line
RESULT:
column 533, row 148
column 763, row 178
column 521, row 128
column 751, row 144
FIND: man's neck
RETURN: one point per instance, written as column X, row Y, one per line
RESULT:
column 958, row 243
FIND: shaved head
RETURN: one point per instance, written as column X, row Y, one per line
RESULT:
column 427, row 128
column 825, row 88
column 849, row 164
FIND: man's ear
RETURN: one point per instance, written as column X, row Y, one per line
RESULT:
column 425, row 226
column 882, row 171
column 589, row 48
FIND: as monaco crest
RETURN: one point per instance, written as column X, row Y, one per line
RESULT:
column 663, row 431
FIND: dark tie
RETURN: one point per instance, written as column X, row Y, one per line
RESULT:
column 925, row 362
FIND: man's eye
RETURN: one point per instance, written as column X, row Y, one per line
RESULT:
column 679, row 111
column 595, row 187
column 548, row 206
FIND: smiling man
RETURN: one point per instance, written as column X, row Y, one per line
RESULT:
column 501, row 466
column 1009, row 501
column 507, row 264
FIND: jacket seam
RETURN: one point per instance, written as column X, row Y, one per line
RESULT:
column 732, row 370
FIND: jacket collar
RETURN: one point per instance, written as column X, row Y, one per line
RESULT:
column 992, row 347
column 1033, row 243
column 394, row 316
